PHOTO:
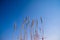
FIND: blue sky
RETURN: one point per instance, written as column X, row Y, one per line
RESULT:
column 16, row 10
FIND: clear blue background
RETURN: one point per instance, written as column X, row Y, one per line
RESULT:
column 16, row 10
